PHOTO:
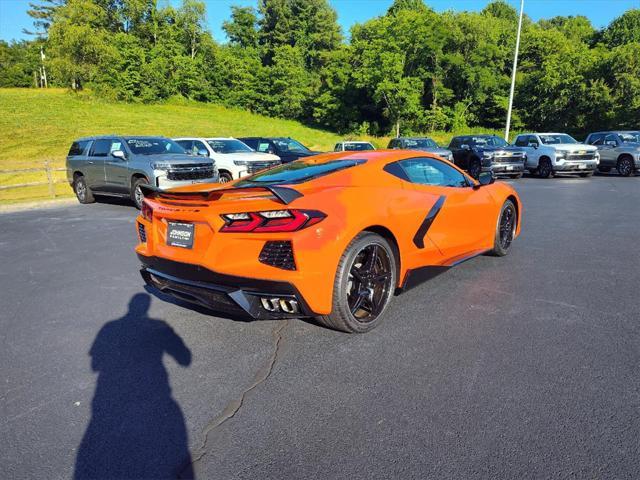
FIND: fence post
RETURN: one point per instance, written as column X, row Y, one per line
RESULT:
column 52, row 187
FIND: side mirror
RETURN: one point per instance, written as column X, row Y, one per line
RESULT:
column 485, row 178
column 534, row 145
column 464, row 146
column 203, row 153
column 119, row 154
column 611, row 143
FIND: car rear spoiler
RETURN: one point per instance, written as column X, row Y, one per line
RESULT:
column 286, row 195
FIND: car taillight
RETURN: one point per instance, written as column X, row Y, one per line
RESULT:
column 146, row 211
column 271, row 221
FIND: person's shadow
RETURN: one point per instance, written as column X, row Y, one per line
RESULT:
column 137, row 429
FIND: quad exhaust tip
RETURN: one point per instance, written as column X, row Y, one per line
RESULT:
column 276, row 304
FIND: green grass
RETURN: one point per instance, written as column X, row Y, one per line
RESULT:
column 39, row 125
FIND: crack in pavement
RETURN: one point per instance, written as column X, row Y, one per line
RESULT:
column 234, row 406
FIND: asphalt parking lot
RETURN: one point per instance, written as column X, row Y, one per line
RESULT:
column 522, row 367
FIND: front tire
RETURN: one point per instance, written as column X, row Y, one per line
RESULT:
column 82, row 190
column 505, row 229
column 225, row 177
column 364, row 284
column 544, row 168
column 625, row 166
column 136, row 192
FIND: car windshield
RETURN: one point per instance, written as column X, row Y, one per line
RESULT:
column 420, row 143
column 289, row 145
column 491, row 141
column 153, row 146
column 630, row 137
column 228, row 146
column 557, row 139
column 297, row 172
column 357, row 147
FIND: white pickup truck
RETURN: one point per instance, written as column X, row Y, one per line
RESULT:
column 550, row 153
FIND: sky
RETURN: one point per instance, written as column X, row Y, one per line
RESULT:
column 13, row 13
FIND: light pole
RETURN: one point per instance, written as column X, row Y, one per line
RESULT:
column 513, row 74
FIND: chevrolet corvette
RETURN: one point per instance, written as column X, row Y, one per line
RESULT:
column 333, row 236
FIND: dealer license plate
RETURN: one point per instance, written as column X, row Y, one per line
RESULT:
column 582, row 166
column 509, row 167
column 180, row 234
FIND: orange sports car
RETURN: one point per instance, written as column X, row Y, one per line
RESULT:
column 332, row 236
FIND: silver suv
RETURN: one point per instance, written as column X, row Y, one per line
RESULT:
column 114, row 165
column 424, row 144
column 619, row 150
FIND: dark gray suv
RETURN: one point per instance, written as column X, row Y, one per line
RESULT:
column 115, row 165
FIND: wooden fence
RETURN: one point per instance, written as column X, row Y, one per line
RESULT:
column 47, row 169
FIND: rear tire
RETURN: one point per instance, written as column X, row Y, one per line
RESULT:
column 625, row 166
column 82, row 190
column 505, row 229
column 364, row 284
column 136, row 193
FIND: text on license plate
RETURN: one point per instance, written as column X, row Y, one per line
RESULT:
column 180, row 234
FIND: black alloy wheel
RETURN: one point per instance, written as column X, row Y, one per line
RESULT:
column 625, row 166
column 505, row 229
column 544, row 168
column 369, row 283
column 364, row 283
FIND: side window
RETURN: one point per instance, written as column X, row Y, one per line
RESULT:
column 611, row 139
column 251, row 142
column 101, row 148
column 198, row 147
column 596, row 139
column 392, row 143
column 263, row 146
column 336, row 148
column 455, row 142
column 522, row 141
column 115, row 146
column 186, row 144
column 429, row 171
column 78, row 148
column 532, row 141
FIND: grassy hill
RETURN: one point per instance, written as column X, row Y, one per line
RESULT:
column 39, row 125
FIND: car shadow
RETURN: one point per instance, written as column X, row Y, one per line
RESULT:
column 114, row 200
column 137, row 429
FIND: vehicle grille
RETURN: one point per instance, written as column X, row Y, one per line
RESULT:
column 581, row 156
column 278, row 254
column 191, row 172
column 517, row 158
column 142, row 233
column 257, row 166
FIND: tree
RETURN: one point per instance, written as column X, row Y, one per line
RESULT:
column 241, row 30
column 623, row 30
column 191, row 20
column 43, row 13
column 502, row 10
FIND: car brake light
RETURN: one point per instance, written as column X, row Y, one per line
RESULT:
column 146, row 211
column 271, row 221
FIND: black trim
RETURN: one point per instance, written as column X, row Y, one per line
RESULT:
column 286, row 195
column 415, row 277
column 218, row 291
column 418, row 238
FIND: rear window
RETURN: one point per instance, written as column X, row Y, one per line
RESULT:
column 78, row 148
column 297, row 172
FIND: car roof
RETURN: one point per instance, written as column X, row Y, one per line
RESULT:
column 99, row 137
column 414, row 138
column 355, row 141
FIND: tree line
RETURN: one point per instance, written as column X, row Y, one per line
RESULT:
column 410, row 70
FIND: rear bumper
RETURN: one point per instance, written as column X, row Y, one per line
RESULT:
column 259, row 299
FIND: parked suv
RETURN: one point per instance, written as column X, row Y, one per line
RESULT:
column 487, row 153
column 549, row 153
column 286, row 148
column 233, row 158
column 424, row 144
column 114, row 165
column 619, row 150
column 353, row 146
